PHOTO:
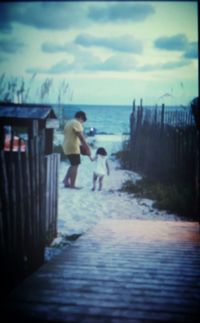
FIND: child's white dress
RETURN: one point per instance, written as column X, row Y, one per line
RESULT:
column 100, row 165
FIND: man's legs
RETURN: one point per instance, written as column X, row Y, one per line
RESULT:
column 66, row 179
column 73, row 175
column 70, row 177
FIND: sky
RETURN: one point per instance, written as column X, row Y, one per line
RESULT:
column 102, row 52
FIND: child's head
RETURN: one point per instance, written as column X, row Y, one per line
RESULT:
column 101, row 151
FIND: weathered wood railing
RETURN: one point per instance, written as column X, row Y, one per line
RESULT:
column 51, row 195
column 163, row 143
column 28, row 208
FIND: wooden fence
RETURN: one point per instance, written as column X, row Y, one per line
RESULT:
column 163, row 143
column 52, row 162
column 28, row 208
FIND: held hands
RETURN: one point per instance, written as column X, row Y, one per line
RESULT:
column 85, row 150
column 88, row 151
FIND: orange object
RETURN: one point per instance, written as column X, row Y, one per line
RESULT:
column 16, row 143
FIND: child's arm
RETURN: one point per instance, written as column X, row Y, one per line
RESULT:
column 107, row 167
column 93, row 158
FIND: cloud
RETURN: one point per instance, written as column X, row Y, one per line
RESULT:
column 3, row 59
column 178, row 43
column 174, row 43
column 125, row 43
column 53, row 47
column 115, row 63
column 5, row 18
column 119, row 63
column 36, row 70
column 174, row 65
column 63, row 15
column 44, row 15
column 120, row 12
column 61, row 67
column 165, row 66
column 191, row 51
column 5, row 27
column 58, row 68
column 11, row 46
column 83, row 62
column 88, row 62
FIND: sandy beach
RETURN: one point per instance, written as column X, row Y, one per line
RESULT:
column 79, row 210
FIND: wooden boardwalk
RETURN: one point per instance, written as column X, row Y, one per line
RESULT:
column 120, row 271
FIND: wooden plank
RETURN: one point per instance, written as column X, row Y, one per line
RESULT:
column 47, row 194
column 3, row 241
column 52, row 175
column 20, row 202
column 120, row 271
column 27, row 192
column 54, row 196
column 57, row 166
column 51, row 197
column 37, row 188
column 6, row 205
column 33, row 194
column 14, row 202
column 42, row 191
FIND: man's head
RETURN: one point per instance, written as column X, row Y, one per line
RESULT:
column 81, row 116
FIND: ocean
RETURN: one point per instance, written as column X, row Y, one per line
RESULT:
column 112, row 123
column 106, row 119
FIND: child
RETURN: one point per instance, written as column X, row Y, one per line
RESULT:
column 101, row 167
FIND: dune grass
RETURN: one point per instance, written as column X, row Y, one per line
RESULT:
column 172, row 197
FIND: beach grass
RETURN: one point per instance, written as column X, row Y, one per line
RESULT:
column 174, row 197
column 171, row 197
column 123, row 155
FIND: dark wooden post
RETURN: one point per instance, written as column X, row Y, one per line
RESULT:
column 1, row 136
column 162, row 118
column 196, row 113
column 132, row 130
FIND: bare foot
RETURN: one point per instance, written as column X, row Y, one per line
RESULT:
column 66, row 185
column 75, row 187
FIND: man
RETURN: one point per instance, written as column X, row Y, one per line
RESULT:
column 73, row 138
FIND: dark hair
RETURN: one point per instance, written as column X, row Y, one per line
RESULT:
column 81, row 115
column 101, row 151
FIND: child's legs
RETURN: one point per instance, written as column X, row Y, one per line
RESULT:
column 94, row 181
column 100, row 182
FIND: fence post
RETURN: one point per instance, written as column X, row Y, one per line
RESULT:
column 196, row 114
column 162, row 118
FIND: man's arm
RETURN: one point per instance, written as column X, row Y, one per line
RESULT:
column 84, row 143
